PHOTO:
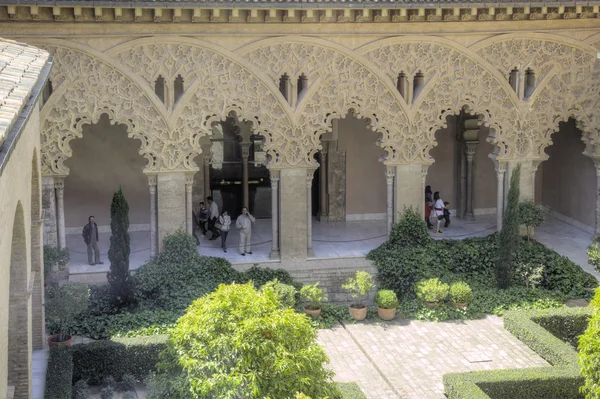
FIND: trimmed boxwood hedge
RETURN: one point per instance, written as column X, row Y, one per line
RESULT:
column 549, row 333
column 59, row 374
column 136, row 356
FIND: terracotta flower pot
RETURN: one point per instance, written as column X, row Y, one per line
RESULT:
column 432, row 304
column 358, row 313
column 314, row 313
column 55, row 341
column 462, row 305
column 386, row 314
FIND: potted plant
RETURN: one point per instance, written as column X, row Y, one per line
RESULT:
column 432, row 291
column 62, row 304
column 315, row 298
column 55, row 261
column 461, row 294
column 387, row 302
column 360, row 285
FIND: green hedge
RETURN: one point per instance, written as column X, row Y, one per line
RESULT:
column 350, row 390
column 547, row 332
column 59, row 375
column 136, row 356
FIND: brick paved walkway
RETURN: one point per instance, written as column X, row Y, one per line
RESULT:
column 406, row 359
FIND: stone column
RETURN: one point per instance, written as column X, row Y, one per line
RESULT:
column 292, row 216
column 153, row 225
column 37, row 273
column 49, row 207
column 323, row 184
column 171, row 193
column 189, row 184
column 470, row 153
column 500, row 171
column 206, row 162
column 309, row 179
column 245, row 191
column 410, row 188
column 59, row 185
column 275, row 214
column 390, row 175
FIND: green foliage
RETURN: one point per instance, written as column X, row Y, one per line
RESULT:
column 109, row 381
column 313, row 295
column 131, row 357
column 410, row 230
column 529, row 274
column 593, row 253
column 260, row 276
column 350, row 390
column 128, row 383
column 589, row 353
column 509, row 238
column 460, row 292
column 64, row 302
column 287, row 293
column 531, row 215
column 118, row 276
column 130, row 395
column 432, row 290
column 81, row 390
column 107, row 392
column 59, row 374
column 360, row 285
column 239, row 343
column 386, row 299
column 55, row 259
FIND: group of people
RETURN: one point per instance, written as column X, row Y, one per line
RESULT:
column 436, row 210
column 219, row 224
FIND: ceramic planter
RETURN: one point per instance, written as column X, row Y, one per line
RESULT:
column 358, row 313
column 386, row 314
column 313, row 313
column 432, row 304
column 462, row 305
column 54, row 340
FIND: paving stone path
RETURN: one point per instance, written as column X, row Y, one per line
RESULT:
column 406, row 359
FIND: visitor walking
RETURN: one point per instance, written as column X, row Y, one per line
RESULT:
column 224, row 225
column 446, row 214
column 202, row 218
column 244, row 223
column 91, row 238
column 194, row 228
column 428, row 205
column 213, row 215
column 438, row 211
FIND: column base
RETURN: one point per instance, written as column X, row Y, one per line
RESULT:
column 310, row 253
column 322, row 218
column 469, row 216
column 274, row 254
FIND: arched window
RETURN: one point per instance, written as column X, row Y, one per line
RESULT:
column 402, row 85
column 302, row 86
column 284, row 86
column 159, row 88
column 47, row 92
column 513, row 79
column 178, row 88
column 529, row 83
column 418, row 85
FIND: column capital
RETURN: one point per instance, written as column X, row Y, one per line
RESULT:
column 390, row 174
column 206, row 159
column 597, row 165
column 424, row 169
column 274, row 181
column 309, row 177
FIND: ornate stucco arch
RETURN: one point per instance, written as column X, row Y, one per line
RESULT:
column 220, row 82
column 87, row 85
column 340, row 80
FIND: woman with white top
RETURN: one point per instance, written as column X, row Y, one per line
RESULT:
column 225, row 222
column 438, row 211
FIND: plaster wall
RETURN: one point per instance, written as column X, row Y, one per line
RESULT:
column 365, row 175
column 102, row 160
column 485, row 185
column 569, row 177
column 15, row 186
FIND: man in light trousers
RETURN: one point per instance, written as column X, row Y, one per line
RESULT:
column 244, row 223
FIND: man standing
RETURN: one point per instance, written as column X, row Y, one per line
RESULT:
column 244, row 223
column 213, row 216
column 90, row 236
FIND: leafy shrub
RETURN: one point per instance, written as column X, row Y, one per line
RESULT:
column 360, row 285
column 432, row 290
column 107, row 392
column 135, row 357
column 529, row 274
column 260, row 276
column 81, row 390
column 589, row 353
column 386, row 299
column 350, row 390
column 508, row 238
column 128, row 382
column 109, row 381
column 460, row 292
column 531, row 215
column 410, row 230
column 59, row 374
column 130, row 395
column 287, row 293
column 55, row 259
column 64, row 302
column 313, row 295
column 593, row 253
column 239, row 342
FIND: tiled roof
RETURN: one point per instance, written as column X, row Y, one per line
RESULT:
column 20, row 67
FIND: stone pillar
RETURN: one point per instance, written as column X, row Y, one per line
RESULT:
column 49, row 208
column 171, row 192
column 189, row 184
column 206, row 162
column 309, row 179
column 245, row 191
column 292, row 216
column 323, row 184
column 500, row 171
column 59, row 185
column 153, row 225
column 410, row 188
column 336, row 184
column 527, row 180
column 37, row 300
column 275, row 214
column 390, row 175
column 470, row 154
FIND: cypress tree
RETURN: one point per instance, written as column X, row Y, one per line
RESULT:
column 509, row 237
column 118, row 254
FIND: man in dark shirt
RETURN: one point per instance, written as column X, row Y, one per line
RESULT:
column 90, row 236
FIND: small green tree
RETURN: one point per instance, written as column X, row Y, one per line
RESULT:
column 593, row 253
column 589, row 352
column 118, row 276
column 359, row 285
column 65, row 302
column 531, row 215
column 509, row 238
column 410, row 230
